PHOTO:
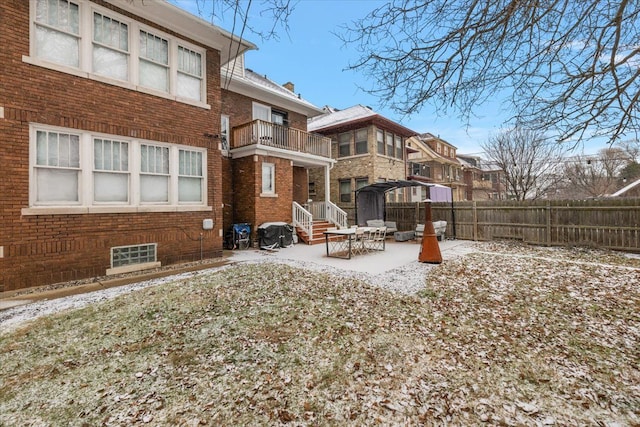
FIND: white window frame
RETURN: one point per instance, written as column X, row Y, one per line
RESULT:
column 257, row 108
column 269, row 191
column 85, row 40
column 87, row 203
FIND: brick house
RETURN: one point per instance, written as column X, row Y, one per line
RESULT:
column 267, row 151
column 113, row 158
column 368, row 147
column 433, row 160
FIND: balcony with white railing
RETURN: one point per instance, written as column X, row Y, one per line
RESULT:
column 259, row 132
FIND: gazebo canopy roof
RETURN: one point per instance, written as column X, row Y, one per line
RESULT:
column 383, row 187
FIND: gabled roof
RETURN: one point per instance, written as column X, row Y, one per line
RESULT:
column 335, row 120
column 188, row 25
column 261, row 88
column 429, row 152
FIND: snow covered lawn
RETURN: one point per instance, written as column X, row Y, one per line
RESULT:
column 507, row 335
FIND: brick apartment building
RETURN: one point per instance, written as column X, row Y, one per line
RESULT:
column 118, row 154
column 432, row 159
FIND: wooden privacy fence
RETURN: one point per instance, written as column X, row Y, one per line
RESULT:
column 608, row 223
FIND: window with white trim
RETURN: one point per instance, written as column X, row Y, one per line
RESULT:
column 190, row 177
column 56, row 172
column 57, row 31
column 85, row 39
column 110, row 47
column 268, row 178
column 154, row 174
column 224, row 132
column 189, row 73
column 111, row 171
column 75, row 168
column 154, row 61
column 261, row 112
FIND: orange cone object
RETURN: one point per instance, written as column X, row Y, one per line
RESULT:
column 430, row 249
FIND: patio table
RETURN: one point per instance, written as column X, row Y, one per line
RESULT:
column 341, row 243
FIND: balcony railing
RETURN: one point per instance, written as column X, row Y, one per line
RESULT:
column 277, row 136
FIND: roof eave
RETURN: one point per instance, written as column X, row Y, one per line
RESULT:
column 247, row 88
column 188, row 25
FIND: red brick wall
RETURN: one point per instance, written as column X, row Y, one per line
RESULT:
column 44, row 249
column 249, row 205
column 300, row 185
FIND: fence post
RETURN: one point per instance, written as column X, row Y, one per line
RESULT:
column 475, row 222
column 548, row 219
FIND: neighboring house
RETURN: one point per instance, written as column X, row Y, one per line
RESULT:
column 112, row 153
column 266, row 147
column 368, row 147
column 483, row 180
column 432, row 159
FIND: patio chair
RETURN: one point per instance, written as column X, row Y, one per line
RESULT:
column 376, row 239
column 358, row 245
column 419, row 232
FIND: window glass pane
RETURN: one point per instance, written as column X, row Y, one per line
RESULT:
column 188, row 87
column 111, row 187
column 261, row 112
column 267, row 178
column 110, row 32
column 154, row 48
column 110, row 63
column 57, row 47
column 189, row 189
column 154, row 60
column 154, row 188
column 189, row 74
column 361, row 141
column 224, row 132
column 41, row 148
column 53, row 149
column 56, row 185
column 154, row 76
column 344, row 144
column 60, row 14
column 189, row 62
column 345, row 191
column 64, row 151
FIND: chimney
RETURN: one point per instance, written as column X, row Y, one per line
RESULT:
column 289, row 86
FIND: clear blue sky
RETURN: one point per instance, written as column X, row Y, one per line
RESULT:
column 314, row 59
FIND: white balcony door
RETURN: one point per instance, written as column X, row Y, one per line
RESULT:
column 262, row 131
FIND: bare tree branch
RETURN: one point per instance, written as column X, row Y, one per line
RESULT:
column 571, row 68
column 529, row 160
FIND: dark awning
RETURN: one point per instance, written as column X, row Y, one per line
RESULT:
column 383, row 187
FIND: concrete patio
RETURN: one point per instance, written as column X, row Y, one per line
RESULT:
column 396, row 254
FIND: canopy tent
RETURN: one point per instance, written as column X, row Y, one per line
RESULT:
column 370, row 200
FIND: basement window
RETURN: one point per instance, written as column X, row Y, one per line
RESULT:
column 133, row 258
